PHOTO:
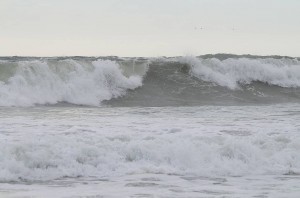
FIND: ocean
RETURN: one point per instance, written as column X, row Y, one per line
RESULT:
column 207, row 126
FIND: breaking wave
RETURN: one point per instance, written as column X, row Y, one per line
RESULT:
column 166, row 81
column 46, row 82
column 232, row 72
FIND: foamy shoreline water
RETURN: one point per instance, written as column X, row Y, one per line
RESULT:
column 212, row 151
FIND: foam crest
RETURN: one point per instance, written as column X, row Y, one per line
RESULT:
column 49, row 158
column 233, row 72
column 46, row 82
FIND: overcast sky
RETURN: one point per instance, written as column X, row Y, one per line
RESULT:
column 149, row 27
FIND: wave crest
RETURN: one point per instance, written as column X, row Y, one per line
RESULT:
column 83, row 83
column 232, row 72
column 167, row 81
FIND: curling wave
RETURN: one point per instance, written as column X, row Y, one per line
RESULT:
column 26, row 83
column 166, row 81
column 233, row 72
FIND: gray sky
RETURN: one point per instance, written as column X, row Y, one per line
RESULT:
column 149, row 27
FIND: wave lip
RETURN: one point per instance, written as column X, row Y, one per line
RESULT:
column 75, row 82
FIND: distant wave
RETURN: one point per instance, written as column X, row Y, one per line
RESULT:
column 167, row 81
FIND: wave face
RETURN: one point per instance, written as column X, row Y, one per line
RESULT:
column 161, row 81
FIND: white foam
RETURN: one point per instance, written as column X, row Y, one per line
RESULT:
column 53, row 158
column 232, row 72
column 40, row 82
column 233, row 141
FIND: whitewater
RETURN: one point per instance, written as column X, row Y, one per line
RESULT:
column 207, row 126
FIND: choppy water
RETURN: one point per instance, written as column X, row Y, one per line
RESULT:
column 208, row 151
column 170, row 127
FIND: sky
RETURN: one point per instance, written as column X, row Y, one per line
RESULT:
column 149, row 27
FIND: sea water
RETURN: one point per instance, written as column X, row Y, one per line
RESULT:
column 189, row 127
